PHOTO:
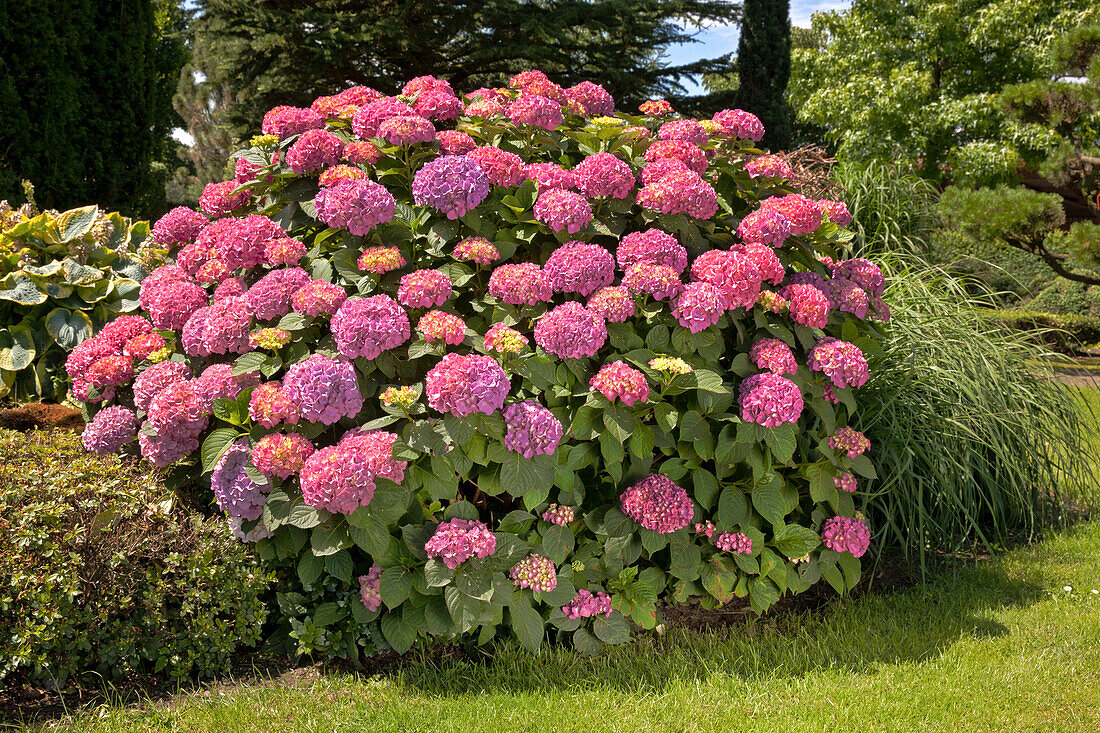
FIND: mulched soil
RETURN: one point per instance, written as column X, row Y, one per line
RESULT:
column 38, row 416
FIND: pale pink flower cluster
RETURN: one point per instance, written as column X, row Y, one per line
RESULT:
column 842, row 362
column 846, row 534
column 849, row 440
column 461, row 385
column 738, row 543
column 619, row 380
column 559, row 514
column 774, row 356
column 457, row 540
column 770, row 400
column 571, row 331
column 523, row 283
column 535, row 572
column 437, row 325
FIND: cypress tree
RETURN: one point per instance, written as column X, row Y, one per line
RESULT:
column 764, row 63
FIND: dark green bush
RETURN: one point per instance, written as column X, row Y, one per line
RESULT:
column 100, row 572
column 1064, row 333
column 1065, row 297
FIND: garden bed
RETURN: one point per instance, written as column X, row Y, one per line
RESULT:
column 41, row 416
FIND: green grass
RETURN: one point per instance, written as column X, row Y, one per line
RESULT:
column 995, row 646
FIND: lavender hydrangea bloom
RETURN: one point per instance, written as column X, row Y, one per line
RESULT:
column 532, row 429
column 324, row 389
column 358, row 205
column 110, row 429
column 450, row 184
column 365, row 327
column 237, row 493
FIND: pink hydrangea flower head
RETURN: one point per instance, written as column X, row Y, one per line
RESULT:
column 462, row 385
column 451, row 184
column 536, row 82
column 770, row 400
column 768, row 166
column 356, row 205
column 618, row 380
column 688, row 130
column 847, row 297
column 837, row 211
column 370, row 116
column 803, row 214
column 845, row 481
column 571, row 331
column 842, row 362
column 237, row 493
column 284, row 121
column 699, row 306
column 155, row 378
column 424, row 289
column 478, row 250
column 376, row 446
column 437, row 104
column 549, row 175
column 576, row 267
column 244, row 171
column 740, row 124
column 658, row 169
column 680, row 193
column 829, row 395
column 532, row 429
column 862, row 272
column 118, row 332
column 324, row 389
column 194, row 256
column 849, row 440
column 225, row 327
column 110, row 371
column 690, row 155
column 361, row 152
column 503, row 168
column 217, row 381
column 766, row 261
column 228, row 288
column 318, row 298
column 586, row 605
column 484, row 108
column 504, row 340
column 658, row 504
column 604, row 174
column 457, row 540
column 738, row 543
column 179, row 226
column 563, row 210
column 437, row 325
column 615, row 303
column 736, row 276
column 110, row 429
column 426, row 83
column 773, row 355
column 283, row 251
column 218, row 200
column 141, row 346
column 845, row 534
column 380, row 260
column 269, row 405
column 660, row 281
column 523, row 283
column 558, row 514
column 651, row 245
column 270, row 297
column 535, row 572
column 454, row 142
column 177, row 415
column 535, row 110
column 314, row 150
column 808, row 305
column 370, row 588
column 593, row 99
column 367, row 327
column 172, row 304
column 406, row 130
column 337, row 479
column 240, row 242
column 655, row 108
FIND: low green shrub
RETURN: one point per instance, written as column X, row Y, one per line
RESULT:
column 1066, row 297
column 1064, row 333
column 62, row 276
column 98, row 570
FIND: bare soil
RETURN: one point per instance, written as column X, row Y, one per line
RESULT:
column 39, row 416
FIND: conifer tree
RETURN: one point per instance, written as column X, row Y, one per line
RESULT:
column 764, row 65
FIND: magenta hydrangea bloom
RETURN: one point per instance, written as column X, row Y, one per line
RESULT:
column 504, row 340
column 437, row 325
column 337, row 479
column 680, row 193
column 843, row 363
column 705, row 528
column 658, row 504
column 534, row 81
column 380, row 260
column 576, row 267
column 535, row 572
column 660, row 281
column 451, row 184
column 808, row 305
column 604, row 174
column 358, row 205
column 218, row 381
column 615, row 304
column 283, row 251
column 502, row 168
column 484, row 108
column 586, row 605
column 558, row 514
column 314, row 150
column 177, row 415
column 549, row 175
column 240, row 242
column 110, row 371
column 619, row 380
column 735, row 275
column 461, row 385
column 699, row 306
column 370, row 116
column 593, row 99
column 406, row 130
column 225, row 327
column 774, row 356
column 237, row 493
column 362, row 152
column 318, row 298
column 535, row 110
column 563, row 210
column 324, row 389
column 652, row 245
column 688, row 130
column 478, row 250
column 849, row 440
column 662, row 167
column 228, row 288
column 571, row 331
column 862, row 272
column 269, row 405
column 170, row 297
column 764, row 226
column 270, row 297
column 426, row 83
column 370, row 588
column 457, row 540
column 741, row 124
column 284, row 121
column 847, row 297
column 690, row 155
column 218, row 199
column 376, row 446
column 155, row 378
column 845, row 481
column 837, row 211
column 768, row 166
column 803, row 214
column 140, row 347
column 119, row 331
column 738, row 543
column 244, row 171
column 845, row 534
column 110, row 429
column 766, row 261
column 437, row 104
column 179, row 226
column 455, row 142
column 770, row 400
column 194, row 256
column 424, row 289
column 532, row 429
column 523, row 283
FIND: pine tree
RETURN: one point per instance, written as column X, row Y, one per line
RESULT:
column 764, row 64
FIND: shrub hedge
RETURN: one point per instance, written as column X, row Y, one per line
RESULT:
column 1065, row 333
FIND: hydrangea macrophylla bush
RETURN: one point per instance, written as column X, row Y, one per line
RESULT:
column 505, row 362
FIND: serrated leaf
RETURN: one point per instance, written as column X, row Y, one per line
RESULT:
column 215, row 446
column 399, row 634
column 612, row 629
column 395, row 585
column 527, row 623
column 557, row 543
column 768, row 501
column 340, row 566
column 796, row 541
column 310, row 568
column 248, row 363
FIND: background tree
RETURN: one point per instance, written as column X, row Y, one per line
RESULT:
column 82, row 86
column 269, row 52
column 764, row 66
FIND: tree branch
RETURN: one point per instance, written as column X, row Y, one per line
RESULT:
column 1053, row 260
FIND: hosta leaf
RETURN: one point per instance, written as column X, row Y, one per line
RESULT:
column 68, row 328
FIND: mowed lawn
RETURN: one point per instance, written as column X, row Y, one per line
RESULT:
column 1011, row 644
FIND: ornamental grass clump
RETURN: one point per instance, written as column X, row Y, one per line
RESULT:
column 483, row 362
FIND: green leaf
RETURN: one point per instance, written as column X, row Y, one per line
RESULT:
column 642, row 441
column 527, row 623
column 310, row 568
column 782, row 441
column 611, row 630
column 733, row 507
column 395, row 585
column 795, row 541
column 68, row 328
column 705, row 487
column 399, row 634
column 215, row 445
column 304, row 516
column 76, row 222
column 769, row 502
column 557, row 543
column 518, row 475
column 330, row 539
column 248, row 363
column 585, row 643
column 863, row 466
column 437, row 574
column 618, row 420
column 340, row 566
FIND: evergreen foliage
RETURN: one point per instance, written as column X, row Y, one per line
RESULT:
column 764, row 64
